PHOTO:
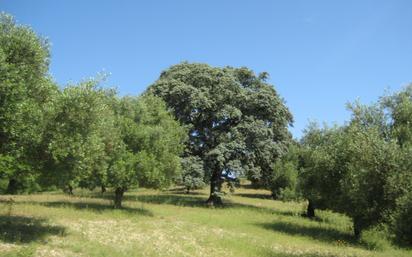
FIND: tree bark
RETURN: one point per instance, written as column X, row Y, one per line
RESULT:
column 310, row 212
column 215, row 187
column 12, row 187
column 70, row 189
column 103, row 189
column 118, row 197
column 356, row 228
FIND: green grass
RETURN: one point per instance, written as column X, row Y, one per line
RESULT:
column 172, row 223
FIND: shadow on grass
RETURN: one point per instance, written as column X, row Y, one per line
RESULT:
column 329, row 235
column 196, row 201
column 85, row 206
column 174, row 199
column 96, row 207
column 182, row 190
column 270, row 253
column 257, row 196
column 20, row 229
column 248, row 186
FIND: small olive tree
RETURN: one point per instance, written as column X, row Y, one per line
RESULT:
column 318, row 176
column 350, row 169
column 77, row 136
column 151, row 141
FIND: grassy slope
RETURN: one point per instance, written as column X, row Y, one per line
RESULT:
column 172, row 224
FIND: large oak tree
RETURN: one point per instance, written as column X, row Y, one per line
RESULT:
column 236, row 120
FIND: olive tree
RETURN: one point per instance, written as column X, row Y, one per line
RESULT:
column 399, row 109
column 78, row 135
column 349, row 170
column 319, row 174
column 151, row 143
column 25, row 90
column 371, row 161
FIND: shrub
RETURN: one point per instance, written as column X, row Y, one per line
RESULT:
column 283, row 180
column 192, row 176
column 376, row 238
column 402, row 220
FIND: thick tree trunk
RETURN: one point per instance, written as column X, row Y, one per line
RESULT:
column 118, row 197
column 12, row 187
column 310, row 212
column 215, row 186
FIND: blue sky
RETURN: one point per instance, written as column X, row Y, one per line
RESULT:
column 320, row 54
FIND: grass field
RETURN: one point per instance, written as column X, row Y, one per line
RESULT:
column 172, row 223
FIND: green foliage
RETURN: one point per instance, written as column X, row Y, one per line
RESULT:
column 376, row 239
column 146, row 149
column 192, row 176
column 371, row 161
column 6, row 166
column 81, row 136
column 399, row 107
column 361, row 169
column 97, row 139
column 348, row 171
column 25, row 90
column 77, row 134
column 151, row 133
column 318, row 178
column 284, row 179
column 402, row 220
column 235, row 119
column 122, row 171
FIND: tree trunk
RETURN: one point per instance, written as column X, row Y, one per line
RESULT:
column 118, row 197
column 310, row 212
column 187, row 190
column 12, row 187
column 70, row 189
column 356, row 228
column 215, row 186
column 103, row 189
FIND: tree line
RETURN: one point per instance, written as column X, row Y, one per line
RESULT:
column 192, row 126
column 363, row 168
column 80, row 136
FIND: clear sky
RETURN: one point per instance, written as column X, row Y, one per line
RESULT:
column 320, row 54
